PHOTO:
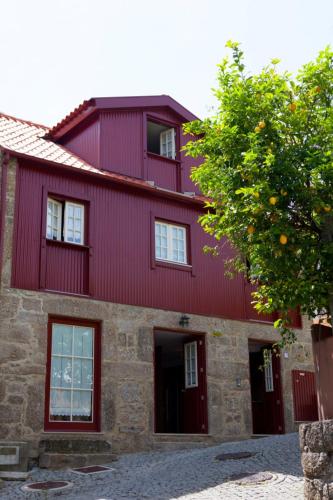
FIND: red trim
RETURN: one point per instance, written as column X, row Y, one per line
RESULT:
column 75, row 426
column 3, row 206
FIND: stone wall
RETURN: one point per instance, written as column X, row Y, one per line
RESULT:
column 316, row 441
column 127, row 361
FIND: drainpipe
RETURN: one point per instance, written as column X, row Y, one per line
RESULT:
column 3, row 199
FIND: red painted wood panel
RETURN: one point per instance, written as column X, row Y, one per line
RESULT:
column 163, row 172
column 67, row 268
column 305, row 396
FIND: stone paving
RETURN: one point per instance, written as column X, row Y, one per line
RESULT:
column 184, row 475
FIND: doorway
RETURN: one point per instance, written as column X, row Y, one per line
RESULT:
column 266, row 391
column 180, row 383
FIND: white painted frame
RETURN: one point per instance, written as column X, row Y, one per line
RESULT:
column 189, row 349
column 170, row 242
column 59, row 205
column 164, row 140
column 74, row 205
column 268, row 371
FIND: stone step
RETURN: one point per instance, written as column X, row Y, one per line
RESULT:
column 78, row 446
column 182, row 438
column 14, row 456
column 73, row 460
column 177, row 445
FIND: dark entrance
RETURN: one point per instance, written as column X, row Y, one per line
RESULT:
column 180, row 383
column 266, row 393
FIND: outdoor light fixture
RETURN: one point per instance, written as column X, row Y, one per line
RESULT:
column 184, row 320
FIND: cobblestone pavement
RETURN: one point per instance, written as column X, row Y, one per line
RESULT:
column 184, row 475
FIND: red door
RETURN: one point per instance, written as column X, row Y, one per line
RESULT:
column 195, row 388
column 266, row 392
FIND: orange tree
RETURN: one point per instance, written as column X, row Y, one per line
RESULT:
column 268, row 173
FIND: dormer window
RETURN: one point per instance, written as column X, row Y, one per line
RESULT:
column 161, row 139
column 65, row 221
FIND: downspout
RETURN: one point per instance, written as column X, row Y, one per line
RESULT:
column 3, row 205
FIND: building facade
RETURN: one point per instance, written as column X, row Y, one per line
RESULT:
column 113, row 322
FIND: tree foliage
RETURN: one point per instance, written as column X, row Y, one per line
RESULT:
column 268, row 173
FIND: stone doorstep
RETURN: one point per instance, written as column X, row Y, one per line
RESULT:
column 13, row 475
column 182, row 438
column 14, row 456
column 74, row 460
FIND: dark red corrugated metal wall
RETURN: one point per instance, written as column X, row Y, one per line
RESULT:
column 120, row 265
column 86, row 142
column 305, row 396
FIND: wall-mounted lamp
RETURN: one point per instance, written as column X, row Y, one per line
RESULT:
column 184, row 320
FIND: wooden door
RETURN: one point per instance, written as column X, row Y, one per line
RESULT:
column 195, row 388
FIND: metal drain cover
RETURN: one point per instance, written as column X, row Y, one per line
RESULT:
column 92, row 469
column 250, row 478
column 47, row 486
column 235, row 456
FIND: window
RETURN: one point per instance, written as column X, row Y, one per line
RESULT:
column 161, row 140
column 269, row 387
column 170, row 243
column 72, row 376
column 191, row 365
column 65, row 221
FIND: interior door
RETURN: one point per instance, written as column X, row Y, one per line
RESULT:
column 273, row 408
column 195, row 388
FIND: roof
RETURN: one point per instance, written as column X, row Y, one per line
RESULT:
column 27, row 140
column 112, row 103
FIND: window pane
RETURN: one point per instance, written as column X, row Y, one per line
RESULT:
column 83, row 337
column 62, row 337
column 60, row 404
column 82, row 373
column 82, row 405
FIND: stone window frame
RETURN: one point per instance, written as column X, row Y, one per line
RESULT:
column 50, row 425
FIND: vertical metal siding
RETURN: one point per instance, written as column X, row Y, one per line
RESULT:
column 121, row 142
column 304, row 394
column 86, row 143
column 67, row 269
column 163, row 172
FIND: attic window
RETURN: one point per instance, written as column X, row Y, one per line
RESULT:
column 161, row 139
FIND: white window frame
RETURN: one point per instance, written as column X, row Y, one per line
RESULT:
column 62, row 229
column 170, row 243
column 164, row 140
column 268, row 371
column 59, row 205
column 67, row 204
column 189, row 347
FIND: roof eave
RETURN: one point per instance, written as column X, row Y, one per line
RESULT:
column 107, row 176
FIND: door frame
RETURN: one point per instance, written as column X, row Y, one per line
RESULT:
column 183, row 331
column 279, row 394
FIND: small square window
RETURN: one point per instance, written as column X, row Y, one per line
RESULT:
column 161, row 140
column 170, row 242
column 65, row 221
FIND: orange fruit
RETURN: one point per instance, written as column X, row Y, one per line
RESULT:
column 256, row 194
column 273, row 200
column 292, row 106
column 283, row 239
column 251, row 229
column 262, row 124
column 327, row 208
column 283, row 192
column 257, row 129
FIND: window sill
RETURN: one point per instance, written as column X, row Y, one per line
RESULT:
column 173, row 265
column 163, row 158
column 66, row 244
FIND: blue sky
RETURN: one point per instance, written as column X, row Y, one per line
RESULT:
column 57, row 53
